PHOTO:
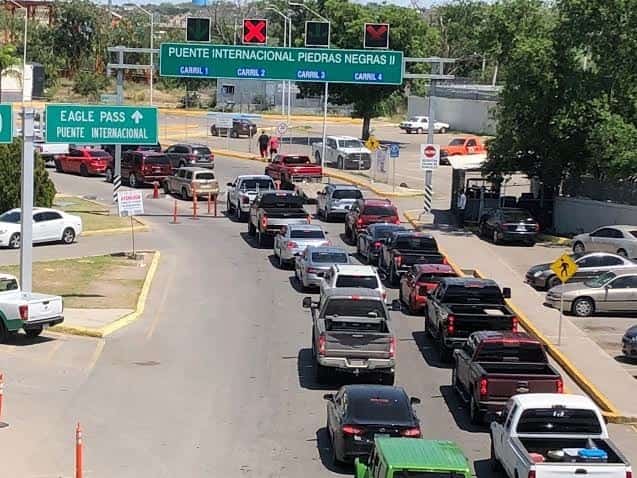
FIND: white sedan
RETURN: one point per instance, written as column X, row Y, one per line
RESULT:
column 49, row 225
column 620, row 240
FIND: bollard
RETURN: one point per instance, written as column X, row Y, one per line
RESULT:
column 175, row 213
column 78, row 452
column 194, row 202
column 155, row 190
column 215, row 200
column 209, row 202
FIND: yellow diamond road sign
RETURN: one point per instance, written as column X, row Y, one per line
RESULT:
column 564, row 267
column 372, row 143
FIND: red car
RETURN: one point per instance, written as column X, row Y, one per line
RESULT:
column 293, row 167
column 368, row 211
column 85, row 161
column 421, row 279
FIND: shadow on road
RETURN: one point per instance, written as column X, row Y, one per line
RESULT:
column 305, row 368
column 252, row 241
column 459, row 411
column 428, row 350
column 484, row 469
column 298, row 287
column 324, row 447
column 21, row 340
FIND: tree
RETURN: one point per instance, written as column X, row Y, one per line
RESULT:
column 7, row 60
column 10, row 161
column 90, row 84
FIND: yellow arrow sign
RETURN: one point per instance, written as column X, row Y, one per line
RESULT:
column 372, row 143
column 564, row 267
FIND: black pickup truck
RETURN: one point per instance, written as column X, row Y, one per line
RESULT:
column 272, row 210
column 491, row 367
column 459, row 306
column 404, row 249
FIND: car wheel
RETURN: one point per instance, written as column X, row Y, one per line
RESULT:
column 234, row 134
column 339, row 163
column 579, row 248
column 583, row 307
column 58, row 166
column 408, row 131
column 184, row 193
column 14, row 241
column 166, row 188
column 358, row 249
column 496, row 238
column 622, row 252
column 260, row 240
column 495, row 463
column 393, row 275
column 412, row 309
column 317, row 157
column 443, row 130
column 553, row 281
column 251, row 229
column 475, row 415
column 32, row 333
column 4, row 335
column 132, row 180
column 281, row 261
column 322, row 373
column 454, row 382
column 237, row 212
column 443, row 351
column 108, row 175
column 213, row 131
column 83, row 170
column 482, row 230
column 68, row 236
column 419, row 131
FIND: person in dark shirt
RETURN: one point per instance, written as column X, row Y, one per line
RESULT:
column 263, row 141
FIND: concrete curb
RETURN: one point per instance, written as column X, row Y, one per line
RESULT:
column 340, row 177
column 123, row 321
column 562, row 241
column 609, row 410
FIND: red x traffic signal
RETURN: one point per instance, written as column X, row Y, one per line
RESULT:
column 255, row 31
column 376, row 35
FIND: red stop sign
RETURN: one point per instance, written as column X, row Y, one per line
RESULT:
column 429, row 152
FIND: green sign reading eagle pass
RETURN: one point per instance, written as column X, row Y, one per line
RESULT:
column 99, row 124
column 295, row 64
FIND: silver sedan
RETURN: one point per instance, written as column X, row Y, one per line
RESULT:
column 609, row 292
column 310, row 266
column 620, row 240
column 293, row 239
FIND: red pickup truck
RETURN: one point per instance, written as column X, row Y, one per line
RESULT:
column 461, row 146
column 491, row 367
column 291, row 168
column 419, row 280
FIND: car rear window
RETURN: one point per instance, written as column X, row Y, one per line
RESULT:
column 281, row 200
column 517, row 216
column 8, row 284
column 383, row 409
column 252, row 184
column 13, row 216
column 347, row 194
column 457, row 142
column 347, row 307
column 511, row 351
column 366, row 282
column 329, row 258
column 379, row 211
column 434, row 278
column 307, row 234
column 205, row 176
column 201, row 151
column 558, row 420
column 415, row 243
column 459, row 294
column 296, row 160
column 99, row 154
column 382, row 232
column 159, row 159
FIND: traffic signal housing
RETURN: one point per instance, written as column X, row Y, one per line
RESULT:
column 255, row 31
column 198, row 29
column 376, row 35
column 317, row 34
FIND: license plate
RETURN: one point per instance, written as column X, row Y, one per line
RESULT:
column 521, row 229
column 357, row 363
column 358, row 438
column 522, row 390
column 381, row 435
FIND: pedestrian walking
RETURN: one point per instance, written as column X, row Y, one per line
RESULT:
column 461, row 205
column 263, row 141
column 274, row 145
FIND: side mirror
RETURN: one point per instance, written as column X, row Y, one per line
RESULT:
column 329, row 397
column 360, row 468
column 414, row 401
column 229, row 184
column 395, row 305
column 506, row 292
column 307, row 302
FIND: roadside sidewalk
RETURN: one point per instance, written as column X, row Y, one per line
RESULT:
column 596, row 372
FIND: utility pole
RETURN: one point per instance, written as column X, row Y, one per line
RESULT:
column 26, row 206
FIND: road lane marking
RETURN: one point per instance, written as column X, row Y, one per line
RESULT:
column 96, row 355
column 54, row 349
column 162, row 301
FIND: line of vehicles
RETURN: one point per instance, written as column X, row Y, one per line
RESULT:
column 501, row 373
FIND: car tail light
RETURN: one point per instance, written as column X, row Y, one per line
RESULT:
column 559, row 386
column 451, row 324
column 264, row 222
column 326, row 243
column 359, row 221
column 245, row 200
column 392, row 347
column 24, row 312
column 291, row 245
column 312, row 270
column 514, row 324
column 351, row 430
column 484, row 387
column 383, row 294
column 531, row 474
column 629, row 474
column 398, row 260
column 411, row 432
column 378, row 244
column 444, row 261
column 321, row 344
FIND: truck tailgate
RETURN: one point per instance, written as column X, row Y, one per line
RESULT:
column 589, row 470
column 503, row 387
column 357, row 344
column 43, row 307
column 409, row 258
column 472, row 318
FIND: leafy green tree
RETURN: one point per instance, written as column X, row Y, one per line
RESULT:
column 77, row 32
column 90, row 84
column 8, row 59
column 10, row 161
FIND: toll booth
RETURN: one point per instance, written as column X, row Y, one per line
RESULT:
column 482, row 193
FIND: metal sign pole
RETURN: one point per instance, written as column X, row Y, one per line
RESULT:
column 559, row 330
column 393, row 181
column 324, row 124
column 117, row 177
column 26, row 206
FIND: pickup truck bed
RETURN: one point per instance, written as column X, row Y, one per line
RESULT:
column 544, row 445
column 470, row 318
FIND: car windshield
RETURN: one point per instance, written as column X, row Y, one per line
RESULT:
column 559, row 420
column 347, row 307
column 296, row 160
column 11, row 216
column 201, row 151
column 254, row 184
column 307, row 234
column 459, row 294
column 379, row 409
column 366, row 282
column 99, row 154
column 350, row 143
column 518, row 216
column 600, row 280
column 330, row 258
column 347, row 194
column 382, row 232
column 205, row 176
column 379, row 211
column 457, row 142
column 159, row 159
column 415, row 243
column 8, row 284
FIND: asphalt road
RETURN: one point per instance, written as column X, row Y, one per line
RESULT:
column 214, row 380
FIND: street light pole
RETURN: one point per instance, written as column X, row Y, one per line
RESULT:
column 287, row 36
column 152, row 44
column 24, row 48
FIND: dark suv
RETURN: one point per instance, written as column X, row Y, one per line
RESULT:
column 239, row 127
column 142, row 167
column 368, row 211
column 190, row 154
column 110, row 148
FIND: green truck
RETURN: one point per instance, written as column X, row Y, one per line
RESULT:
column 414, row 458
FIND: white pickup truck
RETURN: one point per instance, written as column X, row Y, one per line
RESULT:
column 31, row 312
column 343, row 152
column 243, row 190
column 548, row 435
column 50, row 151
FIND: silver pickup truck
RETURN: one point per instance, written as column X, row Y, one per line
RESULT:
column 336, row 199
column 351, row 333
column 272, row 210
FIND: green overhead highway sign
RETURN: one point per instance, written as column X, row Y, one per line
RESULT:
column 99, row 124
column 296, row 64
column 6, row 124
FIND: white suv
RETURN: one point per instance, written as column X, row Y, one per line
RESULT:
column 346, row 275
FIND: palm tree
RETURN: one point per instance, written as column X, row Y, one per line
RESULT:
column 7, row 60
